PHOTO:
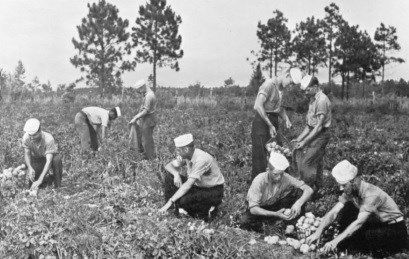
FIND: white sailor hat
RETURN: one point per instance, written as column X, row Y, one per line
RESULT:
column 344, row 172
column 278, row 161
column 32, row 125
column 305, row 82
column 296, row 75
column 139, row 84
column 183, row 140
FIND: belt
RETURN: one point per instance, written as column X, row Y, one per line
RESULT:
column 272, row 113
column 396, row 220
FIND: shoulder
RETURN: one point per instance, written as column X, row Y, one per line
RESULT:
column 48, row 137
column 324, row 98
column 201, row 155
column 26, row 137
column 259, row 180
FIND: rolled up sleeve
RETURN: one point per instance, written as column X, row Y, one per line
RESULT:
column 51, row 147
column 254, row 195
column 370, row 204
column 198, row 169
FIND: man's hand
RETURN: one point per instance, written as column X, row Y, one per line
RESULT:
column 177, row 181
column 312, row 238
column 31, row 173
column 330, row 246
column 300, row 144
column 281, row 215
column 132, row 121
column 165, row 207
column 273, row 131
column 288, row 124
column 36, row 184
column 295, row 210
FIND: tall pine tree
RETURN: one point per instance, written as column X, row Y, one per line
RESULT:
column 386, row 43
column 257, row 79
column 156, row 36
column 102, row 46
column 275, row 41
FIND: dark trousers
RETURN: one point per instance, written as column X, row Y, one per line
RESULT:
column 142, row 137
column 260, row 135
column 374, row 236
column 56, row 165
column 254, row 222
column 307, row 163
column 198, row 200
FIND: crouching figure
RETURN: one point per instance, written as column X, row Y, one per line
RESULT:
column 199, row 192
column 274, row 195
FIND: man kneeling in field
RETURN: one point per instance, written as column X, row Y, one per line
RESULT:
column 200, row 191
column 272, row 192
column 369, row 219
column 41, row 154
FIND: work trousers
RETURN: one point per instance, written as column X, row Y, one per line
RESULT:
column 260, row 135
column 307, row 163
column 56, row 166
column 198, row 200
column 87, row 133
column 374, row 236
column 141, row 136
column 253, row 222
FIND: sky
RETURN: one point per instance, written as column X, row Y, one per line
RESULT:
column 217, row 36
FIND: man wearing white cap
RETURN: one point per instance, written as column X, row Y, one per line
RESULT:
column 200, row 190
column 310, row 144
column 91, row 124
column 268, row 107
column 142, row 125
column 369, row 219
column 274, row 195
column 41, row 155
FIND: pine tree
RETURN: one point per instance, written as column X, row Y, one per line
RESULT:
column 387, row 42
column 275, row 41
column 156, row 36
column 102, row 46
column 257, row 79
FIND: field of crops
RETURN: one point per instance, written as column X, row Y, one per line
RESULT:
column 107, row 207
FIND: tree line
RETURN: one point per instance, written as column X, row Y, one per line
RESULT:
column 331, row 42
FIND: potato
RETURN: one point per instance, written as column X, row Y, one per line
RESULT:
column 282, row 242
column 287, row 212
column 313, row 247
column 313, row 229
column 317, row 223
column 271, row 239
column 302, row 240
column 304, row 248
column 289, row 229
column 296, row 244
column 309, row 215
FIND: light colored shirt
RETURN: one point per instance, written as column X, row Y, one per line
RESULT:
column 273, row 95
column 97, row 115
column 149, row 102
column 264, row 192
column 320, row 105
column 374, row 200
column 203, row 167
column 45, row 146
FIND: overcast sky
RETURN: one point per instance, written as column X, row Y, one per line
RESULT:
column 217, row 35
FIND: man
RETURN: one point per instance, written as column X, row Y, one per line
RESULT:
column 200, row 191
column 272, row 192
column 41, row 155
column 369, row 219
column 267, row 110
column 310, row 144
column 144, row 122
column 91, row 124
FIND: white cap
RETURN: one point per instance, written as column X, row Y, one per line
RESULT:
column 183, row 140
column 344, row 172
column 32, row 125
column 139, row 84
column 278, row 161
column 305, row 82
column 118, row 111
column 296, row 75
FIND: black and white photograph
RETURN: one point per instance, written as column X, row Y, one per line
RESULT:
column 203, row 129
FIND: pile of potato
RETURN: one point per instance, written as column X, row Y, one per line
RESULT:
column 12, row 180
column 306, row 225
column 274, row 147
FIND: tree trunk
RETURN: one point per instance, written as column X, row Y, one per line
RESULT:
column 343, row 85
column 330, row 62
column 271, row 62
column 275, row 63
column 347, row 86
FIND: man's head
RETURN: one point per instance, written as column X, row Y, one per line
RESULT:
column 276, row 166
column 114, row 113
column 184, row 146
column 310, row 85
column 345, row 173
column 141, row 86
column 291, row 76
column 33, row 129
